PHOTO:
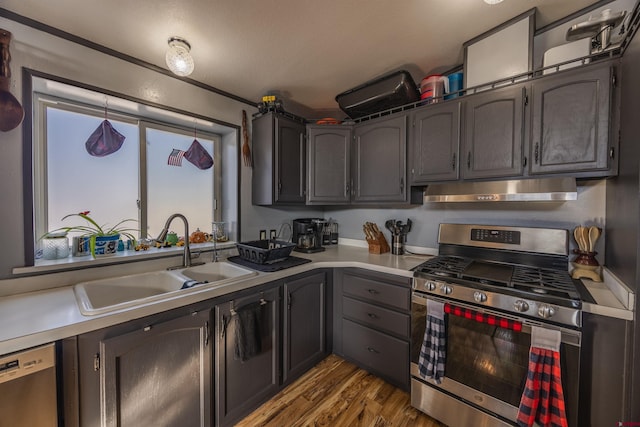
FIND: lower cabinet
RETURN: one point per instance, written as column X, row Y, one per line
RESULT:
column 152, row 374
column 304, row 327
column 372, row 322
column 263, row 345
column 247, row 357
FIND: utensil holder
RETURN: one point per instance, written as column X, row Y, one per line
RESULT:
column 586, row 266
column 397, row 246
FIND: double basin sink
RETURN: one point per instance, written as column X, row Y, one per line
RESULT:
column 105, row 295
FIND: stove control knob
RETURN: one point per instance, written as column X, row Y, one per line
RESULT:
column 446, row 289
column 430, row 286
column 521, row 306
column 479, row 296
column 546, row 311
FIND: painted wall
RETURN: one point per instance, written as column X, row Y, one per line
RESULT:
column 589, row 209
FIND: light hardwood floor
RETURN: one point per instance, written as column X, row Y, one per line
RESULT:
column 337, row 393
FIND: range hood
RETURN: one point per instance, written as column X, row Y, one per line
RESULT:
column 520, row 190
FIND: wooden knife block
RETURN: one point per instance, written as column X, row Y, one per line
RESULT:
column 379, row 245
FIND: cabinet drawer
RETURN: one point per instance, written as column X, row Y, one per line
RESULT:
column 377, row 291
column 379, row 353
column 378, row 317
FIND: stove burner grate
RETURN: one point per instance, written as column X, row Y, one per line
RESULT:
column 445, row 266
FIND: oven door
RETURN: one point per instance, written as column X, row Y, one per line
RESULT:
column 486, row 366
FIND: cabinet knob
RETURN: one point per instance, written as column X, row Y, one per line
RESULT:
column 536, row 152
column 469, row 160
column 373, row 291
column 372, row 315
column 372, row 350
column 453, row 162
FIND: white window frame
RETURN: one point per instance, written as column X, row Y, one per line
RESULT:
column 43, row 101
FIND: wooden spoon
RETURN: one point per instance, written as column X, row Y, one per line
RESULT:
column 585, row 238
column 594, row 234
column 576, row 235
column 11, row 112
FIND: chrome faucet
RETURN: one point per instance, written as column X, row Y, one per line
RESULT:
column 186, row 256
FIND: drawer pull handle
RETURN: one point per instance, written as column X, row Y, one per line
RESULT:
column 372, row 350
column 372, row 316
column 373, row 291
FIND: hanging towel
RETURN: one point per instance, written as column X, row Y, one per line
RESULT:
column 198, row 155
column 104, row 140
column 543, row 400
column 433, row 352
column 248, row 337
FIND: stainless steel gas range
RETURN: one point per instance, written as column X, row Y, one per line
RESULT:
column 496, row 283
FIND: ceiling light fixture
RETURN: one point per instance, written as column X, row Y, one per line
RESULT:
column 178, row 57
column 493, row 1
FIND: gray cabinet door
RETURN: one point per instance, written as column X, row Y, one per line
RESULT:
column 159, row 375
column 290, row 161
column 242, row 385
column 329, row 157
column 434, row 143
column 380, row 161
column 570, row 121
column 494, row 134
column 278, row 152
column 304, row 325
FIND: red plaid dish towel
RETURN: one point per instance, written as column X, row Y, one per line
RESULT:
column 433, row 351
column 542, row 401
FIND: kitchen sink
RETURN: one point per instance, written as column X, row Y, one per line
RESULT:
column 105, row 295
column 216, row 272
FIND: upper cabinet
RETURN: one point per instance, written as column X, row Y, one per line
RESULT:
column 494, row 133
column 379, row 165
column 434, row 143
column 329, row 168
column 571, row 116
column 279, row 160
column 361, row 164
column 560, row 124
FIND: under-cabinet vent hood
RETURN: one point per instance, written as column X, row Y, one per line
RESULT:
column 520, row 190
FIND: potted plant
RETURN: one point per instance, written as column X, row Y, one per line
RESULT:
column 103, row 240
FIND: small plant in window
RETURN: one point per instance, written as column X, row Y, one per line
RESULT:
column 103, row 239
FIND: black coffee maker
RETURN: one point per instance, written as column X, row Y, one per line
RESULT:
column 307, row 234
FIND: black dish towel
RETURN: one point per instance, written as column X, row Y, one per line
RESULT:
column 248, row 337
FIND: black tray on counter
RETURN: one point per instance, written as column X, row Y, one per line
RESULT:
column 264, row 251
column 289, row 262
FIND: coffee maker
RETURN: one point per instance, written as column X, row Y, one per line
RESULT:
column 307, row 234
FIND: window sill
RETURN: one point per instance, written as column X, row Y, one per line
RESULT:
column 73, row 263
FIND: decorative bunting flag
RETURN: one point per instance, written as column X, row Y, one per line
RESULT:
column 175, row 158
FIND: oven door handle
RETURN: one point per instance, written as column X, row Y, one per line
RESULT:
column 568, row 336
column 420, row 299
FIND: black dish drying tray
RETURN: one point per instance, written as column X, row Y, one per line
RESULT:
column 265, row 251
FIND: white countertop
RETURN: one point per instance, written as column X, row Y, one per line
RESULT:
column 36, row 318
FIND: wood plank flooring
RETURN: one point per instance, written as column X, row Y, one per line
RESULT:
column 337, row 393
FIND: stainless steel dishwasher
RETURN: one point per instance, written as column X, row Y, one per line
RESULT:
column 28, row 388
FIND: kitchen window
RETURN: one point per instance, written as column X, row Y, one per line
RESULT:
column 147, row 178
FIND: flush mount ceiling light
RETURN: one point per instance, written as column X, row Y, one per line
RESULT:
column 493, row 1
column 178, row 58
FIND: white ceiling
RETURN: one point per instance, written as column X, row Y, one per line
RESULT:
column 305, row 51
